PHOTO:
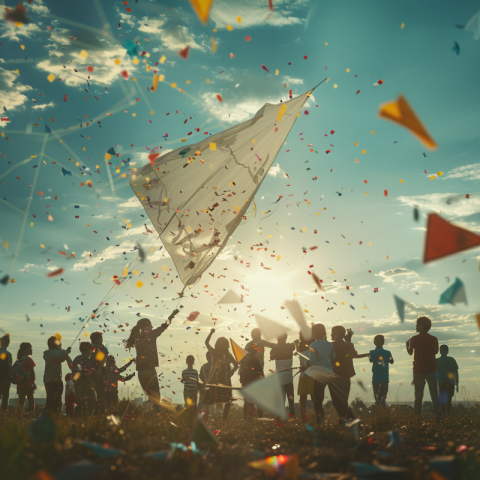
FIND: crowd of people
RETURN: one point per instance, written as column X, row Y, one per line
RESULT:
column 91, row 387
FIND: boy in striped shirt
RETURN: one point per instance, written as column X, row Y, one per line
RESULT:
column 112, row 377
column 190, row 391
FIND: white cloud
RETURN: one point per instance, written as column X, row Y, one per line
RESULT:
column 39, row 8
column 292, row 81
column 276, row 171
column 396, row 272
column 11, row 93
column 452, row 204
column 467, row 172
column 13, row 33
column 44, row 106
column 132, row 202
column 256, row 12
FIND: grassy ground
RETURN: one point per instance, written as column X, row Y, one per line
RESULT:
column 240, row 443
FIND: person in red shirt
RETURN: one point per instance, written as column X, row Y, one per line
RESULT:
column 425, row 347
column 26, row 388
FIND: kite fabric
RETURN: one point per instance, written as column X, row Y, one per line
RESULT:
column 197, row 195
column 238, row 352
column 474, row 25
column 400, row 304
column 267, row 394
column 454, row 294
column 444, row 239
column 399, row 111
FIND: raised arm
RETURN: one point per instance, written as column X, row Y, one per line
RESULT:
column 122, row 369
column 207, row 341
column 361, row 355
column 268, row 344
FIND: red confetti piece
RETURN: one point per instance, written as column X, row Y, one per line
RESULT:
column 152, row 157
column 358, row 91
column 380, row 82
column 40, row 192
column 270, row 4
column 219, row 97
column 185, row 52
column 265, row 68
column 90, row 69
column 248, row 38
column 125, row 74
column 385, row 192
column 305, row 57
column 55, row 273
column 65, row 98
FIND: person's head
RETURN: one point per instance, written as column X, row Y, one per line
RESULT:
column 143, row 325
column 111, row 360
column 86, row 348
column 424, row 324
column 379, row 340
column 338, row 333
column 5, row 341
column 24, row 350
column 256, row 334
column 443, row 349
column 190, row 361
column 209, row 356
column 54, row 343
column 221, row 345
column 318, row 331
column 68, row 377
column 282, row 339
column 96, row 338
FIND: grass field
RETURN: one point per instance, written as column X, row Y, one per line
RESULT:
column 141, row 432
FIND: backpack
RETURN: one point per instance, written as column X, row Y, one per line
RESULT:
column 17, row 374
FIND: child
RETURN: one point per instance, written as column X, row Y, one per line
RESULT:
column 283, row 356
column 190, row 391
column 305, row 382
column 5, row 366
column 258, row 344
column 26, row 388
column 144, row 338
column 447, row 373
column 112, row 376
column 205, row 378
column 52, row 378
column 380, row 358
column 83, row 372
column 321, row 353
column 425, row 347
column 221, row 373
column 69, row 396
column 99, row 357
column 250, row 370
column 343, row 367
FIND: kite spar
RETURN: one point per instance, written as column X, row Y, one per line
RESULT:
column 197, row 195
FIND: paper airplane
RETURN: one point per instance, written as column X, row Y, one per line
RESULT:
column 267, row 395
column 444, row 239
column 295, row 309
column 238, row 352
column 474, row 25
column 230, row 297
column 400, row 304
column 320, row 374
column 400, row 112
column 269, row 328
column 454, row 294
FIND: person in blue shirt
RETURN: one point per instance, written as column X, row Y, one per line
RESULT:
column 447, row 374
column 380, row 358
column 320, row 353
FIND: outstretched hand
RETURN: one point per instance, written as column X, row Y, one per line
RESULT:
column 212, row 330
column 69, row 349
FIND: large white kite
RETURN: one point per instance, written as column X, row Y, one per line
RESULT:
column 197, row 195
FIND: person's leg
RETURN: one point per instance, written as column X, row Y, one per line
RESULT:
column 47, row 410
column 303, row 408
column 419, row 386
column 431, row 379
column 20, row 404
column 58, row 397
column 99, row 381
column 383, row 392
column 291, row 398
column 319, row 394
column 376, row 393
column 443, row 396
column 451, row 393
column 31, row 403
column 149, row 381
column 5, row 393
column 339, row 390
column 226, row 411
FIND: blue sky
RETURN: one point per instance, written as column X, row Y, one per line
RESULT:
column 365, row 38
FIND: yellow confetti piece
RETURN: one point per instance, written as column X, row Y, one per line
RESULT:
column 164, row 268
column 51, row 78
column 50, row 218
column 372, row 132
column 136, row 61
column 174, row 85
column 17, row 71
column 161, row 78
column 214, row 45
column 118, row 61
column 84, row 54
column 208, row 80
column 401, row 26
column 281, row 111
column 348, row 70
column 229, row 28
column 188, row 82
column 125, row 272
column 165, row 200
column 439, row 174
column 277, row 72
column 401, row 180
column 388, row 256
column 135, row 272
column 31, row 224
column 99, row 356
column 134, row 114
column 213, row 146
column 333, row 271
column 304, row 229
column 364, row 152
column 239, row 19
column 22, row 47
column 5, row 244
column 278, row 257
column 335, row 85
column 42, row 245
column 326, row 43
column 139, row 284
column 163, row 58
column 356, row 160
column 18, row 24
column 58, row 337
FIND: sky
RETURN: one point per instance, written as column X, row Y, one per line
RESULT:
column 358, row 212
